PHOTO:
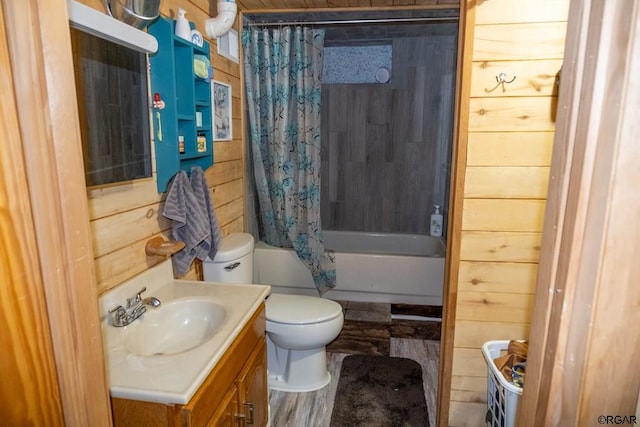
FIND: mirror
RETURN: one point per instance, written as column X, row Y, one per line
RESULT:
column 113, row 107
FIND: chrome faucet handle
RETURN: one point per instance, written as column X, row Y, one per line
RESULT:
column 118, row 316
column 133, row 301
column 138, row 311
column 135, row 307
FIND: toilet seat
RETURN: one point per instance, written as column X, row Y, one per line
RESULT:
column 300, row 310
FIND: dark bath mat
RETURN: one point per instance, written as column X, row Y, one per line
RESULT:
column 378, row 391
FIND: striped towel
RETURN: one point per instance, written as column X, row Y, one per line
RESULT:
column 211, row 243
column 189, row 207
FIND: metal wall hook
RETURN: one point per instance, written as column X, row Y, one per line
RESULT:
column 502, row 80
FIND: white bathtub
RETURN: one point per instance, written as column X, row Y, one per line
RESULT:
column 373, row 267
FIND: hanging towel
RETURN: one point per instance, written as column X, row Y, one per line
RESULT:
column 211, row 243
column 190, row 222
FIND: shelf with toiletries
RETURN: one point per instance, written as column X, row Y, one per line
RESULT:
column 180, row 74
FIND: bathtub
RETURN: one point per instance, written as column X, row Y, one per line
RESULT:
column 372, row 267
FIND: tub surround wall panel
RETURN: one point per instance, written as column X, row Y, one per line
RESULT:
column 125, row 216
column 506, row 175
column 383, row 161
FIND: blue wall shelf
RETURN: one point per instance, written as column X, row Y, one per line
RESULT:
column 185, row 96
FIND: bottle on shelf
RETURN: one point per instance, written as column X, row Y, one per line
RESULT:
column 183, row 30
column 181, row 143
column 201, row 142
column 436, row 222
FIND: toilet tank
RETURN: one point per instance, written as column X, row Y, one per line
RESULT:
column 233, row 262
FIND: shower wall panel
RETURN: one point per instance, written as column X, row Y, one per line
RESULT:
column 386, row 147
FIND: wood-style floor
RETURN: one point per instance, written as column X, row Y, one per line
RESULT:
column 314, row 409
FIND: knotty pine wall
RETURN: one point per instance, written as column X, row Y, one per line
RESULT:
column 124, row 217
column 510, row 137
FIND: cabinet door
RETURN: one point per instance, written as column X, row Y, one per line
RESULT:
column 253, row 389
column 227, row 413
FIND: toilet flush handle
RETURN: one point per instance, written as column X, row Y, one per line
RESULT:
column 232, row 267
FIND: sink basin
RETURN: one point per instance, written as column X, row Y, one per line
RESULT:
column 174, row 327
column 165, row 355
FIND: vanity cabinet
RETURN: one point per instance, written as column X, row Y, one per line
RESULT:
column 253, row 390
column 234, row 394
column 246, row 403
column 227, row 414
column 182, row 127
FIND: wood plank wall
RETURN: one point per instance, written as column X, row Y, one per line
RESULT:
column 510, row 137
column 30, row 389
column 384, row 144
column 321, row 4
column 125, row 216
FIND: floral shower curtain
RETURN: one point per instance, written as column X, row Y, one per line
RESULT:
column 282, row 83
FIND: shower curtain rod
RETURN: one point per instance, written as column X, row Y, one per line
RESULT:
column 355, row 21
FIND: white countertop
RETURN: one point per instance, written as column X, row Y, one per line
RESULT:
column 173, row 378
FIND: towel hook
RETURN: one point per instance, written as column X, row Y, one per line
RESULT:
column 502, row 80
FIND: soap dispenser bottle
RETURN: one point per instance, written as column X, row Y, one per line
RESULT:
column 436, row 223
column 183, row 30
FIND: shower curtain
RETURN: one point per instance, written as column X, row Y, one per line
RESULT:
column 282, row 83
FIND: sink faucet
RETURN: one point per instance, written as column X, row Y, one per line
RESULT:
column 136, row 306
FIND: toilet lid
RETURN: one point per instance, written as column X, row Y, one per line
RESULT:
column 298, row 309
column 233, row 247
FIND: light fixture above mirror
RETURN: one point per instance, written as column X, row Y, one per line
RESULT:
column 99, row 24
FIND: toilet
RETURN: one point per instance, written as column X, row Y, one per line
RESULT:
column 298, row 327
